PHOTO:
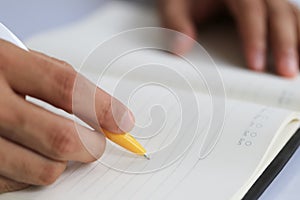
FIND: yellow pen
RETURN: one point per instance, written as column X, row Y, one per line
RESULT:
column 128, row 142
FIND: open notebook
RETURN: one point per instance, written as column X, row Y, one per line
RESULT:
column 261, row 115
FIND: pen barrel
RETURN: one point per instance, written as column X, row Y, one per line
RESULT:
column 126, row 141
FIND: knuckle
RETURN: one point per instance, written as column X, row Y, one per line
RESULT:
column 242, row 7
column 10, row 116
column 278, row 8
column 62, row 142
column 50, row 172
column 3, row 55
column 5, row 187
column 10, row 187
column 61, row 78
column 64, row 84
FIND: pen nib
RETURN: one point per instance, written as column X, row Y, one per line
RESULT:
column 146, row 156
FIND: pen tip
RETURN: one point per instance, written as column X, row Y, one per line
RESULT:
column 147, row 156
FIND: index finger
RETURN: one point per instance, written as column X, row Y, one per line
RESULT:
column 54, row 83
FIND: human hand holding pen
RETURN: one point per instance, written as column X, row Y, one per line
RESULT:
column 258, row 22
column 35, row 144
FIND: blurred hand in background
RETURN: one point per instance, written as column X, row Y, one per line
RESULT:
column 261, row 24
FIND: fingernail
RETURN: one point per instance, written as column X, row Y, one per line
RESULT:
column 292, row 64
column 127, row 122
column 289, row 65
column 258, row 61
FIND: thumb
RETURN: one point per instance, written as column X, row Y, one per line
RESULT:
column 176, row 15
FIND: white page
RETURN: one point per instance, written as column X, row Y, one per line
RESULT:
column 73, row 43
column 62, row 44
column 233, row 159
column 241, row 83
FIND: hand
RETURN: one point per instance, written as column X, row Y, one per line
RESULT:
column 35, row 144
column 257, row 20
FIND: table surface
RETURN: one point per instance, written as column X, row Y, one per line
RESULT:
column 29, row 17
